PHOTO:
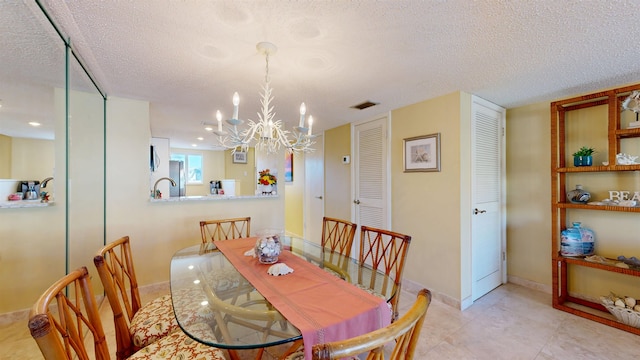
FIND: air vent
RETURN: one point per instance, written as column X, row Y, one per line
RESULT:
column 364, row 105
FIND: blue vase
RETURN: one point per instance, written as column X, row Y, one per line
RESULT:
column 577, row 241
column 582, row 160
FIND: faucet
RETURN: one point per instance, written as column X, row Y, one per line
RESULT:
column 43, row 183
column 155, row 186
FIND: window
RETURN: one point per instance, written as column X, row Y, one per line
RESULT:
column 192, row 165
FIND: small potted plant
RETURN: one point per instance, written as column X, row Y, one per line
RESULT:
column 583, row 157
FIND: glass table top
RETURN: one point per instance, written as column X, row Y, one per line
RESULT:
column 216, row 305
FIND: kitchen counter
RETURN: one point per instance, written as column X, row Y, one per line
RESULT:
column 24, row 204
column 210, row 198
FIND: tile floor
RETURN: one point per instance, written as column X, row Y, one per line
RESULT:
column 511, row 322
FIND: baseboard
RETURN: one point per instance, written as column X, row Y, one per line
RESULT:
column 529, row 284
column 413, row 287
column 23, row 315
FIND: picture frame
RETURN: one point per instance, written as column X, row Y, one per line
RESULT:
column 288, row 167
column 239, row 157
column 422, row 153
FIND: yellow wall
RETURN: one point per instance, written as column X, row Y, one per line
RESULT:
column 529, row 193
column 529, row 200
column 337, row 176
column 32, row 240
column 294, row 194
column 212, row 169
column 5, row 157
column 427, row 204
column 246, row 173
column 31, row 159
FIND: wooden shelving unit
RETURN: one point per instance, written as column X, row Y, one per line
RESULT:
column 562, row 300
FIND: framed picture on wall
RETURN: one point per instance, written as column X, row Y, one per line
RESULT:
column 239, row 157
column 422, row 153
column 288, row 167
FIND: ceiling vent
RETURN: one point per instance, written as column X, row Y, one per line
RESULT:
column 364, row 105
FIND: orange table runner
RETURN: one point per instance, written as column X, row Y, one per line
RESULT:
column 322, row 306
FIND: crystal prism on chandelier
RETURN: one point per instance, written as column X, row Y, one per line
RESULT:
column 265, row 134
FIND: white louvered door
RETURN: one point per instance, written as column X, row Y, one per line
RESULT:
column 371, row 200
column 487, row 166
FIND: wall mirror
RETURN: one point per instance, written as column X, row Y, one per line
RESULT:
column 41, row 81
column 33, row 66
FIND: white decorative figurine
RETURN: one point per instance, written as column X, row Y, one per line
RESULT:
column 625, row 159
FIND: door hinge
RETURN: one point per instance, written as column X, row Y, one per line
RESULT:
column 503, row 131
column 504, row 256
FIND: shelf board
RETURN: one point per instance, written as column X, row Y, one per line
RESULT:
column 628, row 133
column 607, row 267
column 603, row 317
column 598, row 207
column 598, row 168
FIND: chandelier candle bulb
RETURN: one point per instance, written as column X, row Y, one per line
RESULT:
column 236, row 102
column 303, row 110
column 310, row 125
column 219, row 118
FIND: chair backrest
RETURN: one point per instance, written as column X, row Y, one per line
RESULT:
column 65, row 320
column 225, row 229
column 115, row 267
column 338, row 235
column 386, row 251
column 405, row 331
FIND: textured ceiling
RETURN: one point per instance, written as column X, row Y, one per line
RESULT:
column 188, row 57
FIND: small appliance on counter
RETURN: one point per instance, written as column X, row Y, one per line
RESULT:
column 215, row 186
column 30, row 189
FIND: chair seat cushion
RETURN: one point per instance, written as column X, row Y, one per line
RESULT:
column 153, row 321
column 178, row 345
column 156, row 319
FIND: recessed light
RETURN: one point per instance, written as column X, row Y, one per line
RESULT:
column 208, row 128
column 34, row 123
column 194, row 145
column 200, row 138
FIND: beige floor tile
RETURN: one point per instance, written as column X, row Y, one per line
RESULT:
column 511, row 322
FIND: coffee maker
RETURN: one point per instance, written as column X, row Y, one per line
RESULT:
column 215, row 186
column 30, row 189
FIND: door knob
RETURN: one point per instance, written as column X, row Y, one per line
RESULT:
column 476, row 211
column 319, row 197
column 357, row 202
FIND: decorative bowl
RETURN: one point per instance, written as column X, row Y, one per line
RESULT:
column 624, row 315
column 268, row 246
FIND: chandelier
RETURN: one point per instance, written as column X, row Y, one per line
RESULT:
column 265, row 134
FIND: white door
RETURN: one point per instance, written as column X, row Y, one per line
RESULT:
column 314, row 191
column 487, row 167
column 371, row 176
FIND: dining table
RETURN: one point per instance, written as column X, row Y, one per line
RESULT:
column 224, row 297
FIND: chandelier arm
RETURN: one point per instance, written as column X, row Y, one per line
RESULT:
column 268, row 134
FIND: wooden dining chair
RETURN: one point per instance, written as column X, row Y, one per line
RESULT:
column 385, row 251
column 337, row 236
column 137, row 326
column 225, row 229
column 65, row 323
column 403, row 334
